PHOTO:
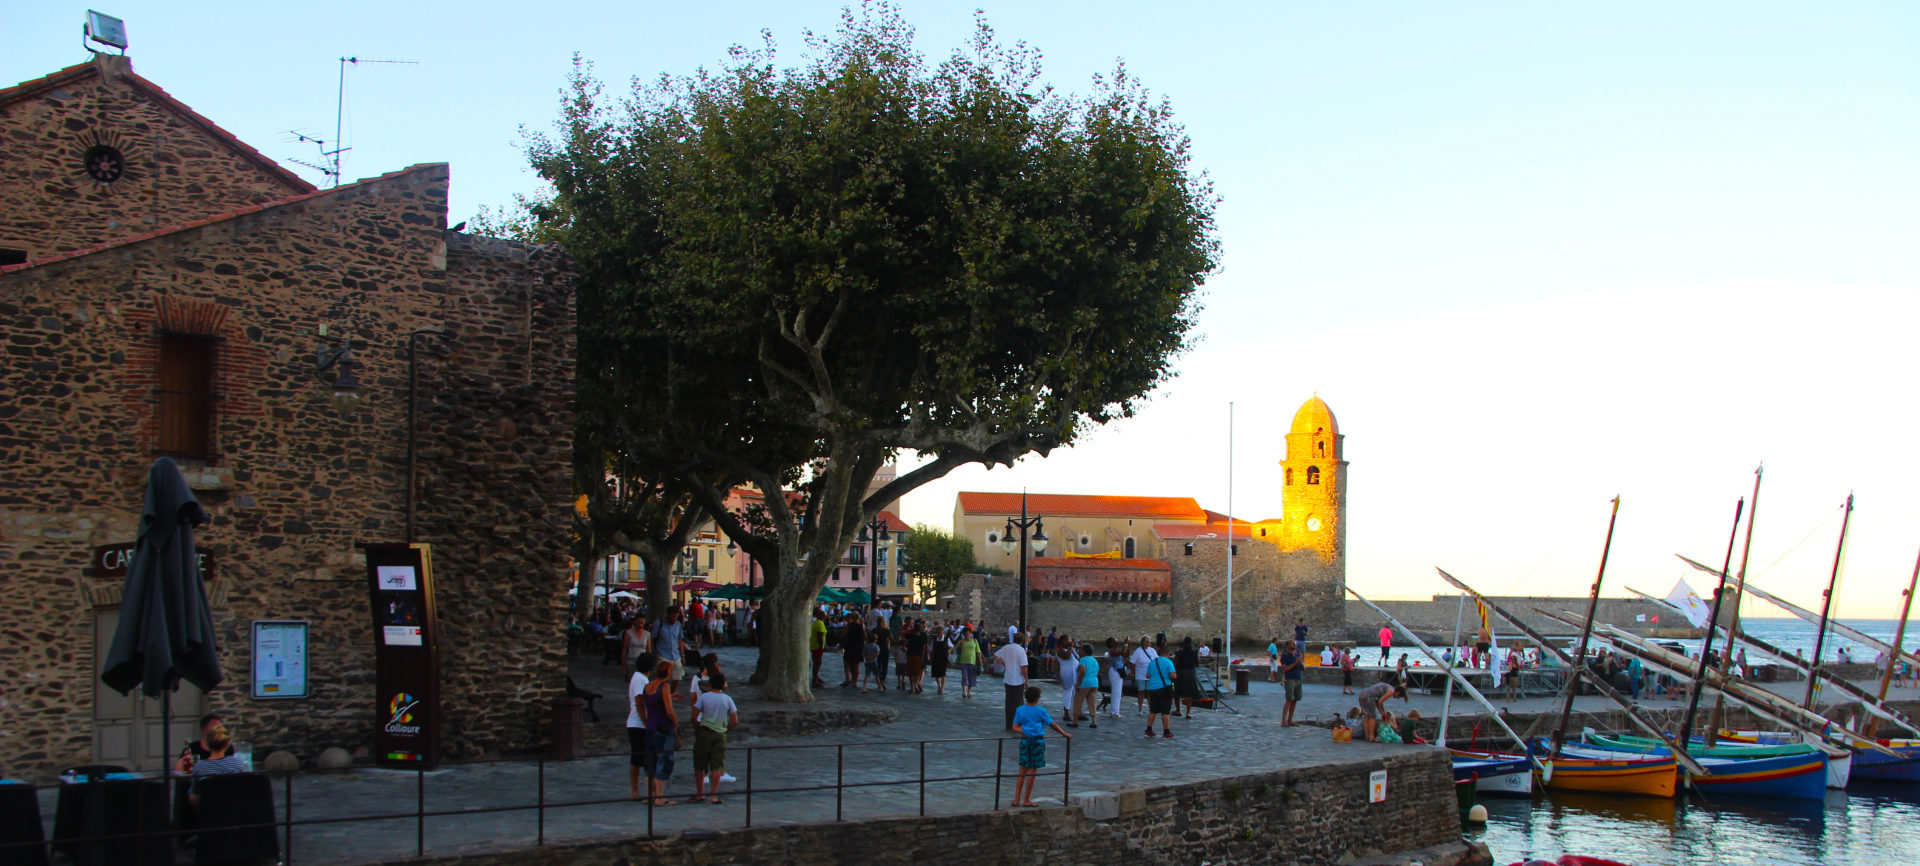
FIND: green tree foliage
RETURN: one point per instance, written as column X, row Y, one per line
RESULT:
column 938, row 557
column 789, row 275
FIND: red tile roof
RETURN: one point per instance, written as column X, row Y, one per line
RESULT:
column 894, row 523
column 221, row 217
column 1077, row 505
column 79, row 71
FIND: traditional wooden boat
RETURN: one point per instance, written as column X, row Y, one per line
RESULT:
column 1698, row 749
column 1497, row 775
column 1800, row 776
column 1601, row 773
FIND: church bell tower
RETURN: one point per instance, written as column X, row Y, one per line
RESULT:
column 1314, row 500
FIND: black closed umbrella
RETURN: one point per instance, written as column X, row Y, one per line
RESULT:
column 165, row 633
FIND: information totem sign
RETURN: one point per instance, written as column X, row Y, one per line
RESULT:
column 405, row 653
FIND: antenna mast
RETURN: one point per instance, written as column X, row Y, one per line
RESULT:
column 329, row 164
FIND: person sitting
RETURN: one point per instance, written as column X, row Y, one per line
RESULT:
column 222, row 760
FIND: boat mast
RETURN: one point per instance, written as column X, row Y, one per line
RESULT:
column 1713, row 625
column 1446, row 703
column 1899, row 636
column 1733, row 625
column 1579, row 666
column 1453, row 676
column 1826, row 606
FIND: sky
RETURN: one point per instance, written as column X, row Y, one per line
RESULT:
column 1533, row 255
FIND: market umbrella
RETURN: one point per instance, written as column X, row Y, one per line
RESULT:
column 165, row 633
column 696, row 585
column 856, row 596
column 623, row 594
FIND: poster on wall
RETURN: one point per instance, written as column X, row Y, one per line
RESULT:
column 406, row 656
column 279, row 659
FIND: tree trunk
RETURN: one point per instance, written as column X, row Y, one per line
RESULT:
column 659, row 591
column 785, row 659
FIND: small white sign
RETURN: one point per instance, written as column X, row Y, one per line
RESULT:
column 397, row 577
column 401, row 635
column 1377, row 787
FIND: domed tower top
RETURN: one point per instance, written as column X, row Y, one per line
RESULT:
column 1315, row 433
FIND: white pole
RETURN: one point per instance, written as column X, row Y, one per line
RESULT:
column 1446, row 703
column 1228, row 649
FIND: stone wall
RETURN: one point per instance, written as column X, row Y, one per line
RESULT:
column 1310, row 816
column 297, row 484
column 1436, row 616
column 177, row 167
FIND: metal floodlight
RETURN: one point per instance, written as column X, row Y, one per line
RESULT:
column 106, row 30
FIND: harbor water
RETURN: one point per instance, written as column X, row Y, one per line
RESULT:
column 1865, row 824
column 1869, row 823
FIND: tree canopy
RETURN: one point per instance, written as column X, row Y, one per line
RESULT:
column 938, row 557
column 790, row 275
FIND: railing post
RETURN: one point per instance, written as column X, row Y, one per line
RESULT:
column 999, row 752
column 542, row 821
column 287, row 849
column 839, row 781
column 1066, row 772
column 749, row 780
column 420, row 812
column 923, row 778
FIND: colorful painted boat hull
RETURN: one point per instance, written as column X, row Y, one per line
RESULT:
column 1802, row 776
column 1496, row 775
column 1874, row 766
column 1640, row 776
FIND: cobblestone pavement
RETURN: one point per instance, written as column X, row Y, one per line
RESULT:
column 884, row 770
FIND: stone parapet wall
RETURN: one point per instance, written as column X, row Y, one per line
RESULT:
column 1312, row 816
column 1437, row 615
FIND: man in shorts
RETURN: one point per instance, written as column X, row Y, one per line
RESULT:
column 1293, row 671
column 1160, row 677
column 1373, row 701
column 714, row 715
column 1273, row 660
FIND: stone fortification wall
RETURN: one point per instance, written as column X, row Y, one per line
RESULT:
column 1313, row 816
column 296, row 485
column 1436, row 616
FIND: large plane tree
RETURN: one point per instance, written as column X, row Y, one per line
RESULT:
column 797, row 273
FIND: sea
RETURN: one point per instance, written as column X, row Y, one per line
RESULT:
column 1877, row 823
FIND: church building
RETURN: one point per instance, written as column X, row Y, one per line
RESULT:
column 1130, row 565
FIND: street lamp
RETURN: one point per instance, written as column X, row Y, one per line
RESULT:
column 873, row 532
column 1039, row 542
column 753, row 566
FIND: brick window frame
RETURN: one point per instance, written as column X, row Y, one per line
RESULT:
column 186, row 397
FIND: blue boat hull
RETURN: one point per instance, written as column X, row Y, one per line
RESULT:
column 1871, row 765
column 1802, row 777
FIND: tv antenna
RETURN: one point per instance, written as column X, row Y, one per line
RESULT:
column 329, row 163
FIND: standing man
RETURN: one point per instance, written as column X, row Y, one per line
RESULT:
column 1160, row 677
column 1386, row 643
column 1013, row 657
column 1273, row 660
column 853, row 648
column 1292, row 670
column 1142, row 661
column 1300, row 636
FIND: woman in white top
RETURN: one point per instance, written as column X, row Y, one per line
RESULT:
column 635, row 642
column 1115, row 685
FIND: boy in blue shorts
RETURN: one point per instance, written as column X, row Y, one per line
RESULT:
column 1031, row 721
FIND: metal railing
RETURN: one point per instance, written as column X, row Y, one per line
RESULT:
column 745, row 789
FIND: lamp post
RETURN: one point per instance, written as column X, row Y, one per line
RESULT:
column 873, row 532
column 753, row 566
column 1039, row 542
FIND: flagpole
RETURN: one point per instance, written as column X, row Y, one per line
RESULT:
column 1228, row 649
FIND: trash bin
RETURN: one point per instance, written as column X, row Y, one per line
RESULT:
column 1240, row 678
column 569, row 735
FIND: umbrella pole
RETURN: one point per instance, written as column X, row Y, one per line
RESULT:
column 166, row 724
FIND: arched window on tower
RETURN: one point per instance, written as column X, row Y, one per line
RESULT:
column 1313, row 475
column 1321, row 446
column 1289, row 476
column 1129, row 553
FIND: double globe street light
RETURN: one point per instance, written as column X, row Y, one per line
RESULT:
column 873, row 532
column 1038, row 541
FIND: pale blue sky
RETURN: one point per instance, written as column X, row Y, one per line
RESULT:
column 1533, row 254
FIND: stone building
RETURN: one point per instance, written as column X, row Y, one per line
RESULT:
column 1132, row 565
column 170, row 292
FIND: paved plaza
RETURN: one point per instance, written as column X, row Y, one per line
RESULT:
column 883, row 761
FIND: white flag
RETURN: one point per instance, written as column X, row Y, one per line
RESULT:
column 1640, row 617
column 1684, row 598
column 1493, row 652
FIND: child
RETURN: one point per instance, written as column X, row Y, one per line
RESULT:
column 1031, row 721
column 1409, row 728
column 714, row 714
column 872, row 666
column 1385, row 732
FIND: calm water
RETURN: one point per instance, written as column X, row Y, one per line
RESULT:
column 1865, row 825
